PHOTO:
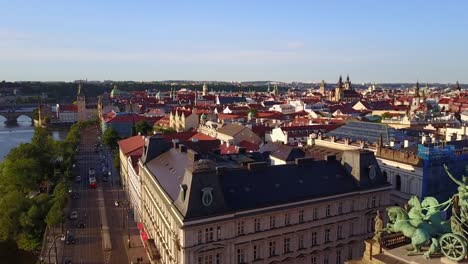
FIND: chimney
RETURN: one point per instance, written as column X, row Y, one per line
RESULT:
column 346, row 141
column 192, row 155
column 194, row 139
column 182, row 148
column 139, row 133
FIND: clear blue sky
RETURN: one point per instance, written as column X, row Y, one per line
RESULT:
column 382, row 41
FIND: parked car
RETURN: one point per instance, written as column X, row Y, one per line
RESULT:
column 74, row 215
column 105, row 179
column 70, row 239
column 80, row 224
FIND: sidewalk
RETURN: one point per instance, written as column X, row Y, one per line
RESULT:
column 137, row 249
column 48, row 250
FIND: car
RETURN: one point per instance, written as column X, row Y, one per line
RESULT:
column 80, row 224
column 70, row 239
column 105, row 179
column 116, row 203
column 62, row 237
column 78, row 179
column 70, row 190
column 74, row 215
column 67, row 261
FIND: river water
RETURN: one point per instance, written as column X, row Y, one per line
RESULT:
column 11, row 135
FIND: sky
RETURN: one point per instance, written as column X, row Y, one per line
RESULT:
column 372, row 41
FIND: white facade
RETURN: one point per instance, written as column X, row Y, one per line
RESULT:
column 134, row 191
column 283, row 108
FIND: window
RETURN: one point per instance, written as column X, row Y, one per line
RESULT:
column 301, row 216
column 218, row 233
column 339, row 232
column 338, row 256
column 209, row 234
column 325, row 259
column 314, row 238
column 327, row 235
column 240, row 228
column 340, row 208
column 398, row 183
column 272, row 248
column 374, row 202
column 300, row 241
column 257, row 224
column 287, row 219
column 272, row 221
column 240, row 256
column 218, row 258
column 315, row 214
column 351, row 229
column 256, row 255
column 287, row 245
column 209, row 259
column 328, row 210
column 200, row 260
column 313, row 260
column 199, row 236
column 352, row 206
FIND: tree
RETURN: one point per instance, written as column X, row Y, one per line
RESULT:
column 21, row 174
column 165, row 130
column 110, row 137
column 12, row 204
column 55, row 215
column 143, row 127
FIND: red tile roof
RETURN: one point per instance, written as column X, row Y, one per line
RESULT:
column 131, row 144
column 201, row 136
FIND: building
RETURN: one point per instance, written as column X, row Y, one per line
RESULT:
column 183, row 120
column 230, row 210
column 130, row 151
column 67, row 113
column 344, row 92
column 235, row 133
column 87, row 109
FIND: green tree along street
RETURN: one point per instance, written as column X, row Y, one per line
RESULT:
column 164, row 130
column 110, row 138
column 34, row 179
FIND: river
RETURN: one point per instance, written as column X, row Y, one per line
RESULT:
column 11, row 135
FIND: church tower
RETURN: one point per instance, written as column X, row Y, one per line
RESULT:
column 323, row 87
column 339, row 90
column 205, row 90
column 416, row 90
column 347, row 85
column 81, row 103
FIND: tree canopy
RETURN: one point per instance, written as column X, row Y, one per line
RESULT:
column 143, row 127
column 110, row 137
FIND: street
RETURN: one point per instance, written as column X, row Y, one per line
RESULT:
column 88, row 248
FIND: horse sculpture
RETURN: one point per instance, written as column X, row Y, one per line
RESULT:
column 400, row 222
column 433, row 216
column 415, row 213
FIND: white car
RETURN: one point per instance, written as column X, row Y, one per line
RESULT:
column 74, row 215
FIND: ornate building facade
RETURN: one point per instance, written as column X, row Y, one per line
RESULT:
column 196, row 210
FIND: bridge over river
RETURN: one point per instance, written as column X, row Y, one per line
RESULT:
column 11, row 114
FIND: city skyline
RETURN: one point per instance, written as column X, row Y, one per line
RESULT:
column 241, row 41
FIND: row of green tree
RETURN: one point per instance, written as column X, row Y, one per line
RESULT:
column 34, row 178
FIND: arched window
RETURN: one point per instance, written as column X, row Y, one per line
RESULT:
column 398, row 182
column 384, row 173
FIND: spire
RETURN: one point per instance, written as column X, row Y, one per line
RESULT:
column 416, row 91
column 340, row 82
column 347, row 77
column 458, row 86
column 80, row 90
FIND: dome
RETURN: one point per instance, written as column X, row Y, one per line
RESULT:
column 115, row 92
column 203, row 116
